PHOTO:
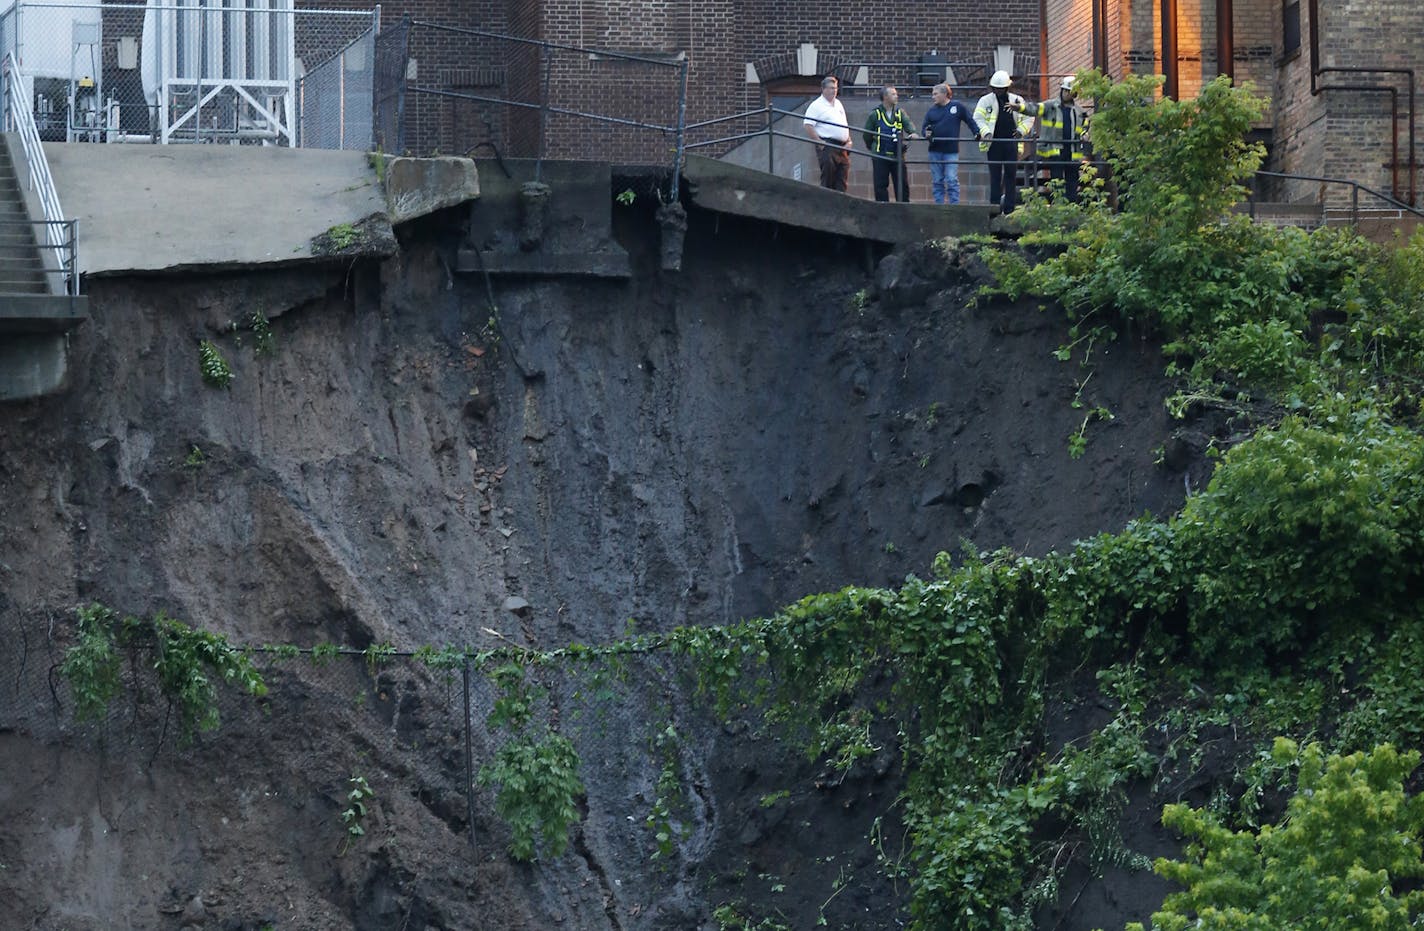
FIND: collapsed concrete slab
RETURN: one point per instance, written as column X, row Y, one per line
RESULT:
column 147, row 208
column 417, row 187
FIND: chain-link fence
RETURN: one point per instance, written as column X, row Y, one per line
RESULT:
column 396, row 712
column 210, row 71
column 470, row 90
column 392, row 58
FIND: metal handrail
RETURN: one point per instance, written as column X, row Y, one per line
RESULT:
column 1355, row 189
column 61, row 238
column 60, row 231
column 1035, row 162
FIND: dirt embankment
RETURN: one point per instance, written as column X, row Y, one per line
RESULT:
column 686, row 449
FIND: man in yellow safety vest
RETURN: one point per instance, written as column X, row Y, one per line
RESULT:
column 1060, row 136
column 886, row 131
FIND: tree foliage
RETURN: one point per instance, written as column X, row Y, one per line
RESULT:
column 1346, row 855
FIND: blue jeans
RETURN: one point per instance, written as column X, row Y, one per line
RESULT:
column 944, row 176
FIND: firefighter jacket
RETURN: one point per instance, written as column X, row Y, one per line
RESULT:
column 1061, row 129
column 885, row 132
column 986, row 114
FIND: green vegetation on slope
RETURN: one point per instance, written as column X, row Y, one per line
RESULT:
column 1283, row 600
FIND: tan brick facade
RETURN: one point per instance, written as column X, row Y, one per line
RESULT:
column 1336, row 133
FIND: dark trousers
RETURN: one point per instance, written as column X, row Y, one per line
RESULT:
column 888, row 172
column 1003, row 169
column 835, row 166
column 1066, row 169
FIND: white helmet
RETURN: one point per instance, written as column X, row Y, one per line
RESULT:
column 1068, row 83
column 1000, row 79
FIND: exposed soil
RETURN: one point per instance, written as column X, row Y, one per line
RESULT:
column 777, row 419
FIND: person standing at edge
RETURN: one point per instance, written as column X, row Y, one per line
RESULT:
column 1060, row 135
column 886, row 131
column 1002, row 123
column 941, row 128
column 826, row 124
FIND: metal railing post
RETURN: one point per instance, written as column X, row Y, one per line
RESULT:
column 543, row 113
column 1355, row 205
column 469, row 758
column 681, row 131
column 770, row 138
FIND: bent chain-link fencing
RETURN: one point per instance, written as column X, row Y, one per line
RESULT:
column 336, row 711
column 471, row 92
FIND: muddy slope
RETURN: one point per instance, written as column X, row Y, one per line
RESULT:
column 776, row 420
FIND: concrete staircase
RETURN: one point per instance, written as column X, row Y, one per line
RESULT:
column 34, row 319
column 21, row 267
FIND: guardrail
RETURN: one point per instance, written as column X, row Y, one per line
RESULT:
column 60, row 233
column 60, row 239
column 1355, row 189
column 1035, row 165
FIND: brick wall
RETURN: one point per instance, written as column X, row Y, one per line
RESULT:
column 1369, row 34
column 1070, row 36
column 1343, row 134
column 1257, row 39
column 1298, row 119
column 717, row 37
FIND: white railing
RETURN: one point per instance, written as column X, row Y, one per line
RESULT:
column 20, row 119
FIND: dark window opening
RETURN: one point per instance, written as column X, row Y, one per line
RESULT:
column 1290, row 22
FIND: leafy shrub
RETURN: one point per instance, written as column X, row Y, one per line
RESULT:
column 539, row 789
column 1348, row 844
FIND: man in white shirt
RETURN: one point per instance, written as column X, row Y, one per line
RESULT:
column 826, row 124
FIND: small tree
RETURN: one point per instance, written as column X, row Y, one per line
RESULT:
column 1180, row 161
column 1349, row 836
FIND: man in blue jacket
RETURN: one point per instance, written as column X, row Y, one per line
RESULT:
column 941, row 128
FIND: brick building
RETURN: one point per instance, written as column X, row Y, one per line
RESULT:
column 738, row 54
column 1339, row 75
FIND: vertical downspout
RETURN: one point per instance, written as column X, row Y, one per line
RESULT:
column 1225, row 40
column 1317, row 89
column 1043, row 64
column 1169, row 47
column 1100, row 35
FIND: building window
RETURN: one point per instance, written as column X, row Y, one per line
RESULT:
column 1290, row 22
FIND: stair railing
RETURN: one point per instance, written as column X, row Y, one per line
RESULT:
column 60, row 233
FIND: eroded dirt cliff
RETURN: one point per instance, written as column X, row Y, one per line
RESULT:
column 690, row 448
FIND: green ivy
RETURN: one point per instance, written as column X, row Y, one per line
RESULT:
column 189, row 665
column 536, row 771
column 538, row 792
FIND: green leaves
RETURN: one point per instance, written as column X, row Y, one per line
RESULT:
column 354, row 816
column 1180, row 161
column 216, row 372
column 536, row 770
column 91, row 666
column 1342, row 857
column 538, row 792
column 188, row 663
